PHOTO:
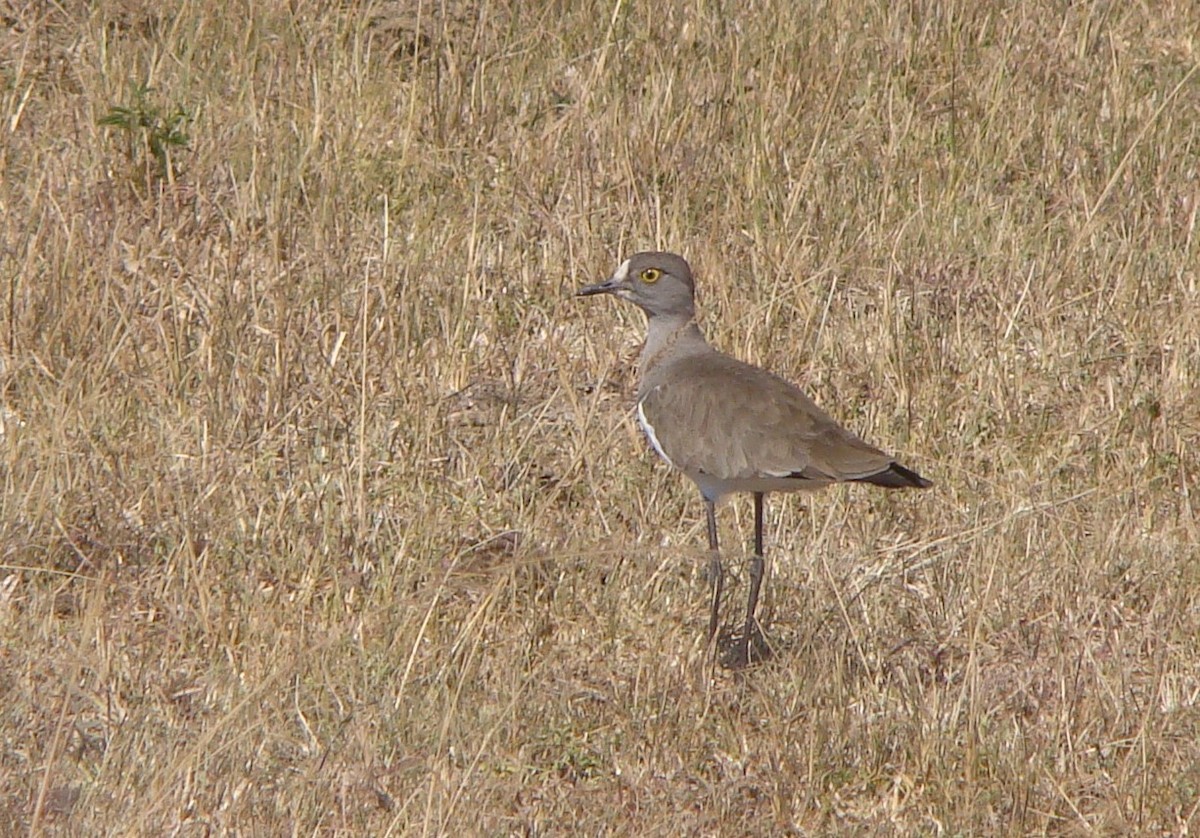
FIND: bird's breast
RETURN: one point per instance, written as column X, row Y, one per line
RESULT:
column 648, row 429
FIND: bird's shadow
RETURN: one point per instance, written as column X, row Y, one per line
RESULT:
column 736, row 651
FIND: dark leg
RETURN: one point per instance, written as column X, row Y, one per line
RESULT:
column 757, row 563
column 715, row 575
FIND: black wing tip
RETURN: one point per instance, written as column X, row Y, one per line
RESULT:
column 896, row 476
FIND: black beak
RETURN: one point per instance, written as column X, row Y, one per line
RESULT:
column 608, row 286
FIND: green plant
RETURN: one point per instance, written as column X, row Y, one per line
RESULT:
column 151, row 133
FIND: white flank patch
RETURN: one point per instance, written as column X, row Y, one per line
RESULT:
column 645, row 423
column 622, row 273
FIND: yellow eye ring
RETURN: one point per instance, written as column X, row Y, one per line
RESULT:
column 651, row 275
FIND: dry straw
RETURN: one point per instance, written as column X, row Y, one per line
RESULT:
column 324, row 510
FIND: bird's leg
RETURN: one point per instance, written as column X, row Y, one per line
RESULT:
column 757, row 563
column 715, row 575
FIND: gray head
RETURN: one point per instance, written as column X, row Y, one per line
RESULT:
column 659, row 283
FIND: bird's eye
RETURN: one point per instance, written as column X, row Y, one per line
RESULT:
column 651, row 275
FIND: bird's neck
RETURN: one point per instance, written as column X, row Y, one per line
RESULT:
column 668, row 337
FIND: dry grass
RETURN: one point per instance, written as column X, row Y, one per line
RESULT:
column 323, row 511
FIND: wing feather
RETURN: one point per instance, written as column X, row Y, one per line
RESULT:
column 719, row 416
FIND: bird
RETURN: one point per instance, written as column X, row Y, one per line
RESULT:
column 730, row 426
